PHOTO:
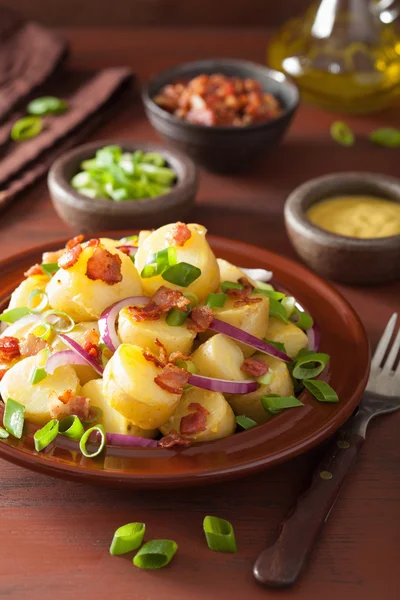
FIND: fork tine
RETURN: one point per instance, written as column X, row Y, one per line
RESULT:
column 389, row 364
column 384, row 342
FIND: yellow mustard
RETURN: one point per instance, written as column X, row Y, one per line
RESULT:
column 357, row 216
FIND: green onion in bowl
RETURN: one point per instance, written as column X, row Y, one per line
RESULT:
column 120, row 176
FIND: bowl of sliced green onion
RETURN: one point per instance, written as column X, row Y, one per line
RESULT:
column 122, row 184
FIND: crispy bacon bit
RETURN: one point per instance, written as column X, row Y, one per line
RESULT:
column 255, row 367
column 163, row 300
column 178, row 356
column 163, row 351
column 172, row 379
column 179, row 234
column 200, row 318
column 246, row 301
column 246, row 283
column 124, row 249
column 92, row 242
column 9, row 349
column 70, row 257
column 2, row 373
column 78, row 239
column 152, row 358
column 173, row 439
column 242, row 296
column 52, row 257
column 91, row 340
column 104, row 266
column 32, row 345
column 69, row 404
column 195, row 421
column 34, row 270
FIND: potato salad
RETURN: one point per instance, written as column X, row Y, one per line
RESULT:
column 151, row 340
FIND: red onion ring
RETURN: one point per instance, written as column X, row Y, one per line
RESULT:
column 119, row 439
column 89, row 360
column 314, row 338
column 223, row 385
column 246, row 338
column 65, row 357
column 131, row 249
column 107, row 320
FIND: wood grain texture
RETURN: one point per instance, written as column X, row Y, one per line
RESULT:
column 55, row 535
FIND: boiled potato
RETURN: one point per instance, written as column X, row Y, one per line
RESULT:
column 143, row 235
column 288, row 334
column 21, row 294
column 195, row 251
column 144, row 334
column 252, row 318
column 281, row 384
column 129, row 387
column 230, row 272
column 84, row 299
column 84, row 372
column 220, row 421
column 112, row 420
column 219, row 357
column 15, row 384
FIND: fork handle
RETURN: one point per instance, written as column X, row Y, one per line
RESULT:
column 280, row 565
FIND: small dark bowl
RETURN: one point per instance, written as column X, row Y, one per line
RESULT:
column 93, row 214
column 346, row 259
column 223, row 149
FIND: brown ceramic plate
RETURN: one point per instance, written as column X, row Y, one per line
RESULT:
column 286, row 435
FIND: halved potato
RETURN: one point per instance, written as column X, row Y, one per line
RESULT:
column 196, row 251
column 84, row 299
column 230, row 272
column 21, row 294
column 144, row 334
column 288, row 334
column 281, row 384
column 219, row 357
column 15, row 384
column 112, row 420
column 129, row 387
column 220, row 421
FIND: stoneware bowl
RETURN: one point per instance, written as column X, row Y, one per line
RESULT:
column 345, row 259
column 91, row 214
column 223, row 149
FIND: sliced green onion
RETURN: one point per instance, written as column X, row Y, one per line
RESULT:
column 193, row 299
column 309, row 364
column 26, row 128
column 342, row 133
column 43, row 437
column 154, row 158
column 176, row 318
column 3, row 434
column 43, row 301
column 289, row 304
column 13, row 419
column 272, row 402
column 49, row 269
column 270, row 294
column 84, row 439
column 37, row 375
column 47, row 105
column 44, row 332
column 127, row 538
column 277, row 345
column 230, row 285
column 277, row 311
column 155, row 554
column 148, row 271
column 71, row 427
column 245, row 422
column 166, row 258
column 216, row 300
column 134, row 239
column 263, row 286
column 14, row 314
column 188, row 365
column 321, row 390
column 96, row 414
column 302, row 319
column 265, row 379
column 219, row 534
column 386, row 136
column 55, row 319
column 182, row 274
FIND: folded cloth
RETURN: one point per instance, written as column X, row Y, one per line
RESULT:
column 24, row 162
column 29, row 54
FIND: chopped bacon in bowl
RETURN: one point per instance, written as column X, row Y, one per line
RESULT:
column 219, row 100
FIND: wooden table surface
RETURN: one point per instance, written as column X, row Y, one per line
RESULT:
column 55, row 535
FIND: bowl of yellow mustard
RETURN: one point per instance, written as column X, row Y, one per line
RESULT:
column 346, row 226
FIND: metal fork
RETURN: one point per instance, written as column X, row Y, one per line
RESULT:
column 280, row 565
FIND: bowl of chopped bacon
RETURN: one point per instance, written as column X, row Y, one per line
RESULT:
column 224, row 114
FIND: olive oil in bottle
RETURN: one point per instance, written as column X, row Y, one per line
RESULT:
column 343, row 54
